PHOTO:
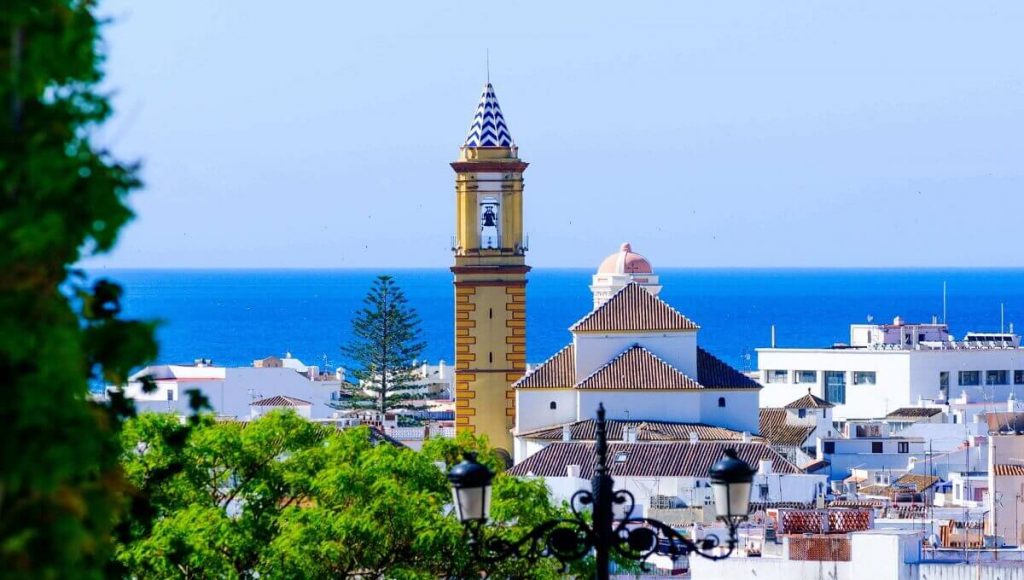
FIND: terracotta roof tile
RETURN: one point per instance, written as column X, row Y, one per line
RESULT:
column 557, row 371
column 637, row 368
column 1007, row 469
column 645, row 431
column 1004, row 422
column 809, row 401
column 913, row 412
column 916, row 482
column 633, row 308
column 645, row 459
column 280, row 401
column 777, row 432
column 712, row 372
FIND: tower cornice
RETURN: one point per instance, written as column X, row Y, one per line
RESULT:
column 489, row 166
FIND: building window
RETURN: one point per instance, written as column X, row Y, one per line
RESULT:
column 776, row 376
column 828, row 447
column 903, row 447
column 801, row 413
column 721, row 401
column 863, row 377
column 835, row 387
column 876, row 446
column 807, row 376
column 969, row 378
column 170, row 394
column 762, row 490
column 944, row 381
column 554, row 405
column 996, row 378
column 1018, row 377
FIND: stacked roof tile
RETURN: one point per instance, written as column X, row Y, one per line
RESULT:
column 914, row 413
column 1008, row 469
column 644, row 430
column 712, row 372
column 775, row 429
column 645, row 459
column 637, row 368
column 633, row 309
column 809, row 401
column 280, row 401
column 557, row 371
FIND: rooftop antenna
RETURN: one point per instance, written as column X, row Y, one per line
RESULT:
column 1002, row 317
column 488, row 66
column 943, row 302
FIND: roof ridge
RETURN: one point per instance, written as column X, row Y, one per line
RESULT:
column 633, row 286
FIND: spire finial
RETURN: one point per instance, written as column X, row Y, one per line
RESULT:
column 488, row 66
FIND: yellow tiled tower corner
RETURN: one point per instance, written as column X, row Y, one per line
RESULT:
column 490, row 276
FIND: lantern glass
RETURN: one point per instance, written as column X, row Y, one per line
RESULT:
column 472, row 503
column 732, row 500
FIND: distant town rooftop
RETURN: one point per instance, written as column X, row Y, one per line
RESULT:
column 900, row 335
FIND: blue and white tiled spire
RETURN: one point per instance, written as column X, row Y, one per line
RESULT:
column 488, row 128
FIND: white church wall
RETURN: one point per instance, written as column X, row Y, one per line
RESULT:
column 593, row 350
column 677, row 406
column 533, row 408
column 739, row 413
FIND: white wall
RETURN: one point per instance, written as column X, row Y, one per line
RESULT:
column 593, row 350
column 678, row 406
column 1006, row 491
column 739, row 413
column 533, row 408
column 903, row 376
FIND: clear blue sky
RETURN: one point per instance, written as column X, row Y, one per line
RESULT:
column 318, row 134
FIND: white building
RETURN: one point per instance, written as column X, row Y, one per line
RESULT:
column 1006, row 487
column 888, row 366
column 230, row 391
column 794, row 430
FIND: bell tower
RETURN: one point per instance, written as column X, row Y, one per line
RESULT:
column 490, row 276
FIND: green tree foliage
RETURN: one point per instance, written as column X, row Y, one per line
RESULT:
column 281, row 497
column 61, row 198
column 386, row 346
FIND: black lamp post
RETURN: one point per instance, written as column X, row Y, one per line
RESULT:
column 573, row 538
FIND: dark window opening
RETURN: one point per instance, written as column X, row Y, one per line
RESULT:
column 876, row 446
column 490, row 313
column 828, row 447
column 553, row 405
column 490, row 357
column 721, row 401
column 903, row 447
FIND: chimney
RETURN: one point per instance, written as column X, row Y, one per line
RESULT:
column 425, row 369
column 566, row 433
column 572, row 471
column 764, row 467
column 440, row 370
column 746, row 436
column 629, row 433
column 693, row 438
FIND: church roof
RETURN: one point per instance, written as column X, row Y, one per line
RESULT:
column 586, row 430
column 645, row 459
column 714, row 373
column 488, row 128
column 633, row 309
column 557, row 371
column 637, row 368
column 809, row 401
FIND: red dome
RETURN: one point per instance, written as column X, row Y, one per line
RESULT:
column 625, row 261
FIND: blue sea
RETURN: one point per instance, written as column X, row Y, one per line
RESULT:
column 235, row 316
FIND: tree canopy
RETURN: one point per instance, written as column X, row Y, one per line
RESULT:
column 385, row 348
column 282, row 497
column 61, row 198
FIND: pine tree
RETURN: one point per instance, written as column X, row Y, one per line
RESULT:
column 385, row 349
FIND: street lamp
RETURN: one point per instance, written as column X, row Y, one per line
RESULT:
column 573, row 538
